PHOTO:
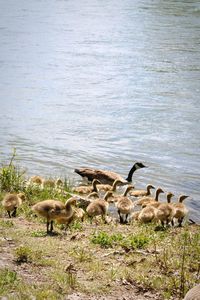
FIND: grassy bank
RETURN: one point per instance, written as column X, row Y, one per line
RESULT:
column 90, row 260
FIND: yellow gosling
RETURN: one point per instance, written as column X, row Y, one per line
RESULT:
column 165, row 211
column 87, row 189
column 11, row 202
column 147, row 214
column 124, row 205
column 108, row 187
column 181, row 210
column 38, row 180
column 142, row 193
column 99, row 207
column 55, row 210
column 147, row 199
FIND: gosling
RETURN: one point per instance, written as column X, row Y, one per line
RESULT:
column 142, row 193
column 11, row 202
column 165, row 211
column 87, row 189
column 54, row 210
column 108, row 187
column 181, row 210
column 147, row 214
column 124, row 205
column 147, row 199
column 99, row 207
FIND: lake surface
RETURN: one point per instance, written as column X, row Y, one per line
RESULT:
column 103, row 84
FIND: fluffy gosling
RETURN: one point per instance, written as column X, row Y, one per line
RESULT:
column 87, row 189
column 142, row 193
column 99, row 207
column 124, row 205
column 165, row 211
column 180, row 209
column 108, row 187
column 11, row 202
column 147, row 214
column 147, row 199
column 55, row 210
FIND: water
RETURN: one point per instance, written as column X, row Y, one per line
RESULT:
column 103, row 84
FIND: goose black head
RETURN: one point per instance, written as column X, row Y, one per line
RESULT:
column 139, row 165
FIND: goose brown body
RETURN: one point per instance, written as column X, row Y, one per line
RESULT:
column 107, row 177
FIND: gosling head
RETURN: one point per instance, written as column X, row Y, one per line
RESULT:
column 182, row 198
column 149, row 186
column 159, row 190
column 169, row 196
column 22, row 196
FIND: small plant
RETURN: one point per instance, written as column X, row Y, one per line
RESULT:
column 80, row 254
column 38, row 233
column 76, row 225
column 6, row 223
column 8, row 279
column 103, row 239
column 24, row 254
column 11, row 177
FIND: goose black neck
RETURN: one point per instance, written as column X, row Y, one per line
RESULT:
column 130, row 174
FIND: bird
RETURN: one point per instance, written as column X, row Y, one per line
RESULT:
column 142, row 193
column 54, row 210
column 108, row 177
column 193, row 293
column 11, row 202
column 38, row 180
column 147, row 214
column 165, row 211
column 99, row 207
column 87, row 189
column 108, row 187
column 124, row 205
column 147, row 199
column 180, row 209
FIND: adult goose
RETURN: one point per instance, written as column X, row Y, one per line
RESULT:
column 108, row 177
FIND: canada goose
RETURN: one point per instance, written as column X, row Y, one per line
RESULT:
column 99, row 207
column 180, row 209
column 193, row 294
column 87, row 189
column 11, row 202
column 108, row 187
column 165, row 211
column 147, row 199
column 142, row 193
column 157, row 203
column 124, row 205
column 54, row 210
column 147, row 214
column 108, row 177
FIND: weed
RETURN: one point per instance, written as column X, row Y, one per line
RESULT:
column 80, row 254
column 8, row 279
column 6, row 223
column 11, row 177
